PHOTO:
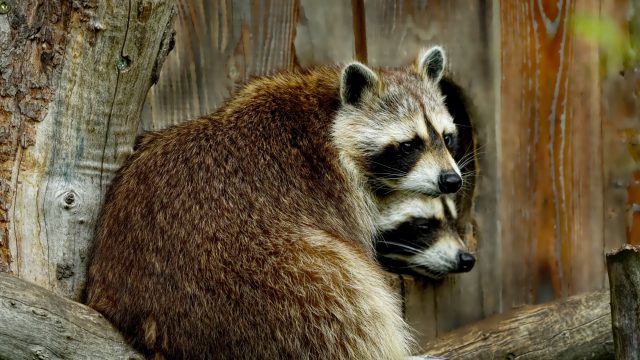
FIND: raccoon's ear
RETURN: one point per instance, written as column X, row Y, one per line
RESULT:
column 431, row 63
column 357, row 83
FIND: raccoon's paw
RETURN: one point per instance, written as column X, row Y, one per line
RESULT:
column 425, row 357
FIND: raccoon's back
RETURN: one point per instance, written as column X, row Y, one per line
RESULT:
column 213, row 207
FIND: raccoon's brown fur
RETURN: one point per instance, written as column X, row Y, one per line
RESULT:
column 247, row 234
column 196, row 256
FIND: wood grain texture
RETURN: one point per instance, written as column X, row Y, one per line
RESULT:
column 218, row 45
column 576, row 329
column 551, row 170
column 81, row 132
column 623, row 266
column 396, row 31
column 37, row 324
column 32, row 42
column 324, row 33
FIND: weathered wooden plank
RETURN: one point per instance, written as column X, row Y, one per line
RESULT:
column 577, row 328
column 37, row 324
column 396, row 31
column 95, row 63
column 620, row 125
column 219, row 44
column 324, row 33
column 623, row 266
column 551, row 162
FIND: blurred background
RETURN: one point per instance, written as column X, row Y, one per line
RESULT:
column 554, row 87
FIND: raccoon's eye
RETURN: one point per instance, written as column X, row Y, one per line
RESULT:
column 448, row 140
column 407, row 147
column 424, row 224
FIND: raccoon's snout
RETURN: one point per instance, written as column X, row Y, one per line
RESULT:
column 465, row 262
column 449, row 183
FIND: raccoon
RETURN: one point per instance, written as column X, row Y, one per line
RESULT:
column 419, row 236
column 248, row 233
column 413, row 224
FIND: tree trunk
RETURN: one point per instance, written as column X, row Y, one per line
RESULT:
column 578, row 328
column 37, row 324
column 73, row 79
column 624, row 281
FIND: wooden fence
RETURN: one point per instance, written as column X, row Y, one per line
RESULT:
column 556, row 117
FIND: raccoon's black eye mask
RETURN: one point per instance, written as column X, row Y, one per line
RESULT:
column 416, row 234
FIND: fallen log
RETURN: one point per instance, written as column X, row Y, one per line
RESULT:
column 623, row 266
column 37, row 324
column 576, row 328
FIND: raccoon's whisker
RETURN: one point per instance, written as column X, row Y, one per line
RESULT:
column 404, row 246
column 385, row 166
column 464, row 162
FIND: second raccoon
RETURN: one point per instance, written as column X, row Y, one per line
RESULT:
column 419, row 236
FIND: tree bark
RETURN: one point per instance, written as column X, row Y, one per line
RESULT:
column 578, row 328
column 623, row 266
column 37, row 324
column 73, row 79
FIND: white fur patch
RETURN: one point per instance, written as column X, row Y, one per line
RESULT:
column 451, row 205
column 423, row 177
column 401, row 207
column 439, row 259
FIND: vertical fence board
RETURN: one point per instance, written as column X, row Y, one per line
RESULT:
column 551, row 168
column 396, row 30
column 219, row 44
column 621, row 127
column 324, row 33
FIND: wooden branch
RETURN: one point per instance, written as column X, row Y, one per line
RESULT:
column 623, row 266
column 38, row 324
column 577, row 328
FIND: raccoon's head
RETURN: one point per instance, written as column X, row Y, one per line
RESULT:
column 394, row 128
column 419, row 236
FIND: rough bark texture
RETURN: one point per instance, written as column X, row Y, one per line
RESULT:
column 37, row 324
column 578, row 328
column 624, row 281
column 73, row 79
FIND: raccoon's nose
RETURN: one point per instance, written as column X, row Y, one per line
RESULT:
column 449, row 182
column 465, row 261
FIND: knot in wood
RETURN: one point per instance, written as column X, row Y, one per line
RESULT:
column 5, row 7
column 69, row 199
column 64, row 271
column 123, row 63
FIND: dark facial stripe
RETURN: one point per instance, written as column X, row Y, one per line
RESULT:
column 435, row 140
column 394, row 162
column 417, row 233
